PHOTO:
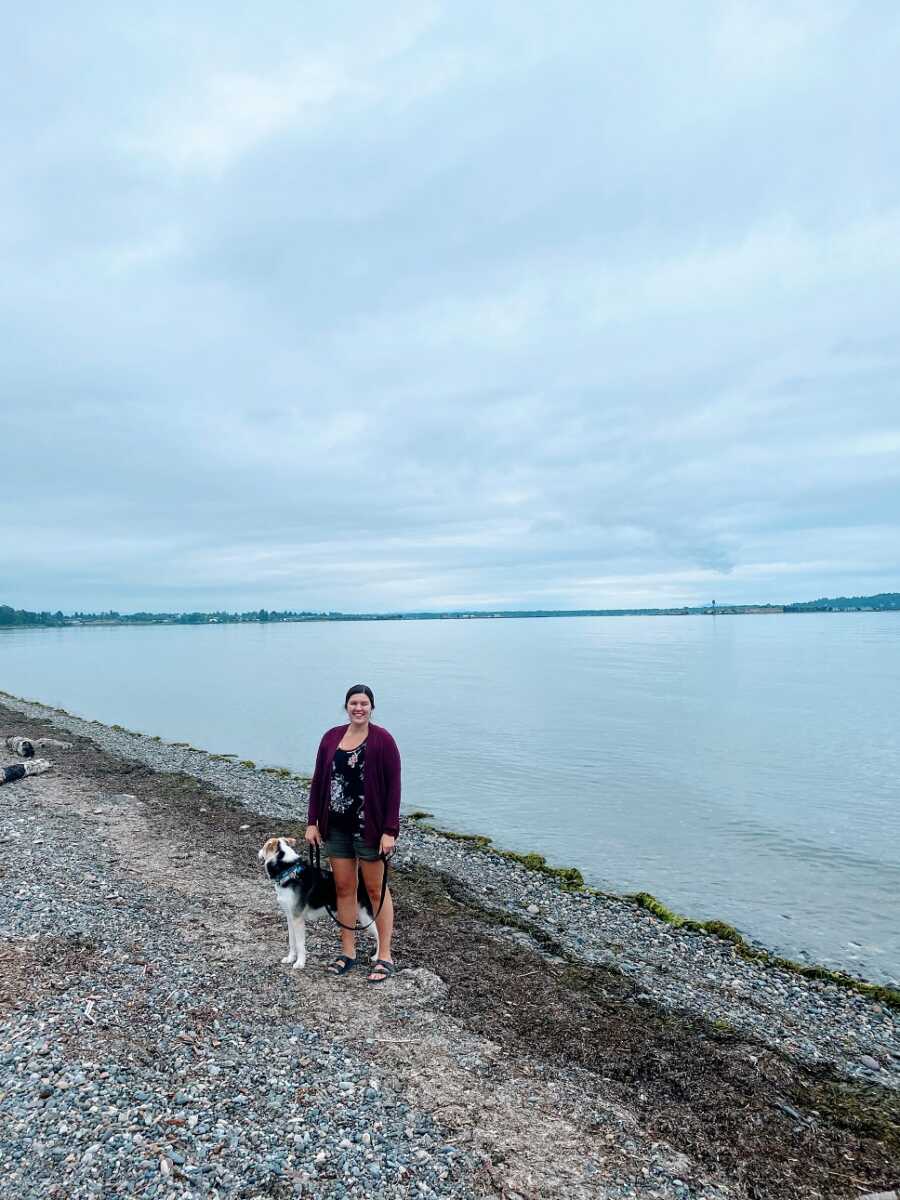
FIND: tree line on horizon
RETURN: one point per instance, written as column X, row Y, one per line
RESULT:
column 882, row 601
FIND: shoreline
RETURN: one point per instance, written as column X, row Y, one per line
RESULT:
column 572, row 1012
column 192, row 620
column 570, row 879
column 228, row 769
column 267, row 790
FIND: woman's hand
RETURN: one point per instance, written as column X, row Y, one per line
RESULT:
column 388, row 842
column 313, row 836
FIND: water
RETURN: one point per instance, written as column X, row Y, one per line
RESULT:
column 744, row 768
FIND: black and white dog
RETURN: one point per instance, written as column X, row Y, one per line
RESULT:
column 305, row 893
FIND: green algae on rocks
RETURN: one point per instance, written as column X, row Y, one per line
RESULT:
column 570, row 877
column 727, row 933
column 572, row 880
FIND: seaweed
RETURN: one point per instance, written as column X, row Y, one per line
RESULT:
column 725, row 932
column 863, row 1108
column 570, row 878
column 473, row 839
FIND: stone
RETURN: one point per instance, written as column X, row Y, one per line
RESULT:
column 418, row 985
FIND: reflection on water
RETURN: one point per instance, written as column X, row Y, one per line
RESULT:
column 737, row 767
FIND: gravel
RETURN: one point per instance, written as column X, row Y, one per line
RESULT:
column 680, row 970
column 131, row 1064
column 144, row 1053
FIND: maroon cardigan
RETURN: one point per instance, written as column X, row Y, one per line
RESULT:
column 382, row 784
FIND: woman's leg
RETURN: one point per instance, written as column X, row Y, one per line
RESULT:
column 373, row 875
column 345, row 881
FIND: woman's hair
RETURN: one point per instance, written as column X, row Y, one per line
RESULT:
column 359, row 687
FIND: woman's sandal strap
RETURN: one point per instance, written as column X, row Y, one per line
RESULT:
column 341, row 965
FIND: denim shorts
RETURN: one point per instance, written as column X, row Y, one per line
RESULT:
column 342, row 843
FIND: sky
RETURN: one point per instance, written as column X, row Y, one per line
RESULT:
column 426, row 306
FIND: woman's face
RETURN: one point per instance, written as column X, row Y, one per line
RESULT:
column 359, row 708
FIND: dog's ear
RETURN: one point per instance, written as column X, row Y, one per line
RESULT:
column 291, row 841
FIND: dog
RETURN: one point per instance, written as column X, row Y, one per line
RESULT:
column 304, row 893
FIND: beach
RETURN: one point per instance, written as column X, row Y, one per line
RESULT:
column 535, row 1041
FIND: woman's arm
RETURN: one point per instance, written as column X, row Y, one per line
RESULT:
column 392, row 787
column 315, row 787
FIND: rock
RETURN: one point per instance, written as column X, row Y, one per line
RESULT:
column 870, row 1063
column 417, row 985
column 677, row 1165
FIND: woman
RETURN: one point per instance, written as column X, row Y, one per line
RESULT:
column 354, row 811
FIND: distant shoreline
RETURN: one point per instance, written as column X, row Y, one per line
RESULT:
column 20, row 618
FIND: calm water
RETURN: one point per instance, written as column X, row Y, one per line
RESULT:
column 745, row 768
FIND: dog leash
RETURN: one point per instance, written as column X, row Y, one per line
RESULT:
column 315, row 861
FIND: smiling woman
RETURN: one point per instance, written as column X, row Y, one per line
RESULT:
column 354, row 805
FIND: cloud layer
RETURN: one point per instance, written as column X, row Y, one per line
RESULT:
column 451, row 307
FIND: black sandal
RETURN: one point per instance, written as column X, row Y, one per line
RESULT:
column 382, row 968
column 341, row 965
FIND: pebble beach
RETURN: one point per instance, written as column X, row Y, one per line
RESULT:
column 535, row 1041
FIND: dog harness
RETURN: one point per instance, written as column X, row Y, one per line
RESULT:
column 288, row 872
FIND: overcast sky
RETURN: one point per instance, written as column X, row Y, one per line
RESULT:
column 387, row 307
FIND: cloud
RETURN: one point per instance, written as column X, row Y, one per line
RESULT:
column 760, row 38
column 208, row 124
column 233, row 112
column 450, row 306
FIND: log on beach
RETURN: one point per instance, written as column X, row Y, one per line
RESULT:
column 34, row 766
column 24, row 747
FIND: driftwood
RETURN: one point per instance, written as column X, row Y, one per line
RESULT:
column 25, row 747
column 881, row 1196
column 34, row 766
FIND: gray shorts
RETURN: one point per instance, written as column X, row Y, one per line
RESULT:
column 343, row 844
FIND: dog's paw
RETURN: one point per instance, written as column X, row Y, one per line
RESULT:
column 288, row 958
column 299, row 964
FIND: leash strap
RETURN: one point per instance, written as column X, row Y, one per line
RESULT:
column 315, row 860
